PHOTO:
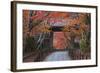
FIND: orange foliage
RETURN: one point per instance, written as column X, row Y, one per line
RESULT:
column 58, row 15
column 69, row 27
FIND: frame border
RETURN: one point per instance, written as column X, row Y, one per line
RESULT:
column 14, row 35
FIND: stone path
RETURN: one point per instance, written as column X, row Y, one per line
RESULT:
column 58, row 56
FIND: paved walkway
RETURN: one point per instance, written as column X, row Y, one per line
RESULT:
column 58, row 56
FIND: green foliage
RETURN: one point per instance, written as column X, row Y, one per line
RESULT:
column 83, row 45
column 85, row 36
column 30, row 44
column 87, row 19
column 85, row 42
